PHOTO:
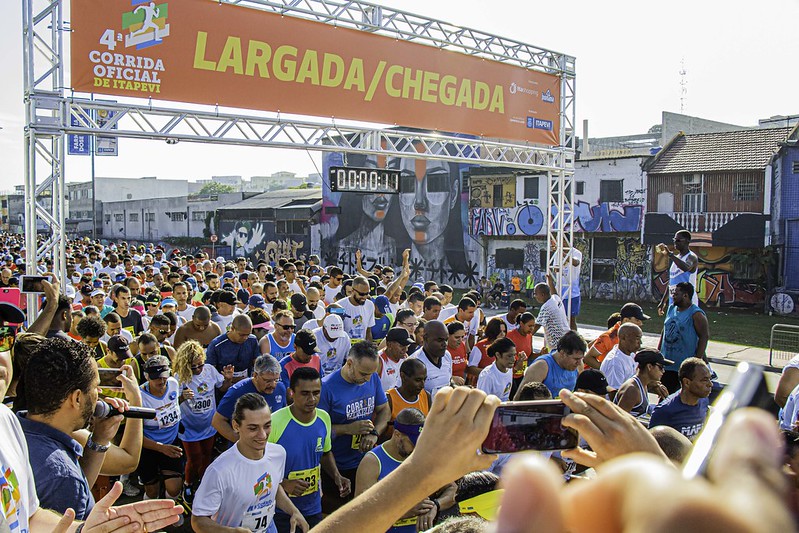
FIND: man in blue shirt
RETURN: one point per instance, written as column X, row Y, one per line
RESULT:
column 304, row 431
column 237, row 347
column 265, row 381
column 359, row 412
column 686, row 409
column 61, row 385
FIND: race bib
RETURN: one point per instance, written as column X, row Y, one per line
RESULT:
column 257, row 519
column 310, row 475
column 240, row 374
column 356, row 442
column 203, row 405
column 168, row 415
column 406, row 522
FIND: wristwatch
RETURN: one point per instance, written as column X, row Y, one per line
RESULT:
column 374, row 432
column 99, row 448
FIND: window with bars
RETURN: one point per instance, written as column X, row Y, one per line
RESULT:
column 611, row 191
column 133, row 217
column 176, row 216
column 579, row 189
column 198, row 216
column 747, row 188
column 119, row 217
column 149, row 217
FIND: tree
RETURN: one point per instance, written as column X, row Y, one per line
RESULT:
column 213, row 187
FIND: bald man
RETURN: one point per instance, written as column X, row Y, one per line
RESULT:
column 619, row 365
column 237, row 347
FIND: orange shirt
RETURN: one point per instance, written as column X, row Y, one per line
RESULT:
column 524, row 343
column 460, row 359
column 398, row 403
column 606, row 341
column 516, row 281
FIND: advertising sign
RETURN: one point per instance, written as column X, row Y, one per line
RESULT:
column 78, row 143
column 206, row 52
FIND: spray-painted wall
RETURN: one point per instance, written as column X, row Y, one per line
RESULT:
column 725, row 277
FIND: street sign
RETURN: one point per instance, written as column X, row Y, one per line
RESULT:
column 213, row 237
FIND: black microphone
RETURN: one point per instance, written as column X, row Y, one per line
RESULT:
column 103, row 410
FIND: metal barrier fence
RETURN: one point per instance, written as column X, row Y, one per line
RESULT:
column 784, row 343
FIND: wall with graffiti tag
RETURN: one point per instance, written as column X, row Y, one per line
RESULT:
column 257, row 240
column 721, row 280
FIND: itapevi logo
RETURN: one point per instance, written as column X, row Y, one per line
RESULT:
column 547, row 97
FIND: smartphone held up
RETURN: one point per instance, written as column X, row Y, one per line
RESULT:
column 531, row 425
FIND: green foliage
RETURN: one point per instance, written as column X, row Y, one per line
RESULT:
column 216, row 188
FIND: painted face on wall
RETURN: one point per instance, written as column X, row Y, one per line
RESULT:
column 428, row 194
column 242, row 236
column 375, row 206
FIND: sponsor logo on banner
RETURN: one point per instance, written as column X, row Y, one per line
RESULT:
column 540, row 124
column 547, row 97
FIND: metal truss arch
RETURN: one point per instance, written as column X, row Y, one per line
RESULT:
column 50, row 114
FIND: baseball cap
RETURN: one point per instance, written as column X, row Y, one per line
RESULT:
column 256, row 300
column 228, row 275
column 192, row 282
column 220, row 259
column 227, row 297
column 152, row 298
column 594, row 381
column 169, row 301
column 97, row 283
column 651, row 356
column 382, row 304
column 299, row 302
column 399, row 335
column 119, row 345
column 334, row 326
column 306, row 340
column 11, row 314
column 631, row 310
column 157, row 366
column 76, row 277
column 86, row 290
column 419, row 285
column 95, row 292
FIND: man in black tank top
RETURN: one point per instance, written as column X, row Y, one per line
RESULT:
column 632, row 396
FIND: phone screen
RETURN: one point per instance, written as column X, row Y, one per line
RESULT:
column 533, row 425
column 33, row 284
column 108, row 378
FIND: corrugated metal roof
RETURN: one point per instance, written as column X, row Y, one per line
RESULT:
column 275, row 199
column 727, row 150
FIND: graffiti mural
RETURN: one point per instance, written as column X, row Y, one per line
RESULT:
column 527, row 219
column 720, row 282
column 428, row 216
column 257, row 240
column 628, row 279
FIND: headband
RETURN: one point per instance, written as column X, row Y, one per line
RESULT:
column 412, row 432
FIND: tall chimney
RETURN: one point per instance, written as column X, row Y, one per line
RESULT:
column 586, row 148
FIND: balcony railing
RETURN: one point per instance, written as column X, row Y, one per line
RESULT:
column 705, row 222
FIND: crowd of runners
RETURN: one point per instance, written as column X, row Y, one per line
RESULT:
column 298, row 395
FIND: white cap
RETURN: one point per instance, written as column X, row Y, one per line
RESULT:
column 220, row 259
column 95, row 292
column 70, row 291
column 315, row 278
column 334, row 327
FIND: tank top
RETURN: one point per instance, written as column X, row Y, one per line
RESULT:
column 678, row 275
column 679, row 335
column 641, row 407
column 387, row 465
column 398, row 403
column 277, row 350
column 557, row 377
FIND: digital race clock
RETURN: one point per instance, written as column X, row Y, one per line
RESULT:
column 364, row 180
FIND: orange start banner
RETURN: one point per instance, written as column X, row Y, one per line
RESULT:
column 204, row 52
